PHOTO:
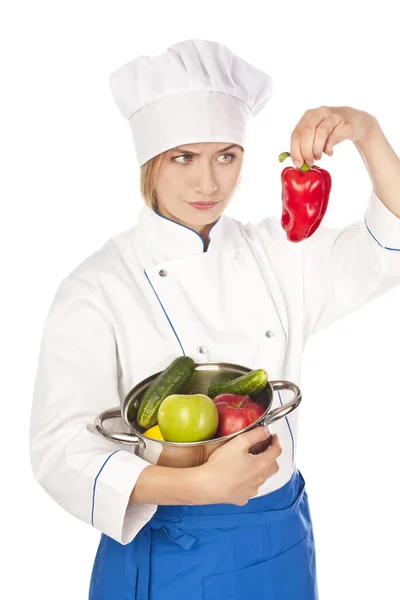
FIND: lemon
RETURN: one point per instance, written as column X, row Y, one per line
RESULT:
column 154, row 432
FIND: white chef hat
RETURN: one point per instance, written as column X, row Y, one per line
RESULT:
column 197, row 91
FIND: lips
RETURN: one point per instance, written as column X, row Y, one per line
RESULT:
column 203, row 205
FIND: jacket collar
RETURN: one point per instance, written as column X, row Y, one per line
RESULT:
column 176, row 240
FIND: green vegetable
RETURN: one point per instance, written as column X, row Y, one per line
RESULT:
column 170, row 381
column 251, row 383
column 223, row 376
column 133, row 408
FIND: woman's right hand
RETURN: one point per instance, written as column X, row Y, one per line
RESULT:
column 232, row 474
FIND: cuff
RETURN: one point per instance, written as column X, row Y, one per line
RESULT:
column 382, row 224
column 111, row 512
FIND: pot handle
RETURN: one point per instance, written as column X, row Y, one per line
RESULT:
column 282, row 411
column 122, row 438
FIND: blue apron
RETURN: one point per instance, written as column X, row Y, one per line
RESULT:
column 263, row 550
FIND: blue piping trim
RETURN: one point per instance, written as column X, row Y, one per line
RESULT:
column 95, row 481
column 386, row 247
column 288, row 424
column 169, row 320
column 189, row 228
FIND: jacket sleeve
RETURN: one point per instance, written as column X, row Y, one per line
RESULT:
column 89, row 476
column 344, row 269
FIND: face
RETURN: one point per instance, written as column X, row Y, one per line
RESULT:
column 201, row 173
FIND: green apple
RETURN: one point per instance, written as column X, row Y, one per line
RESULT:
column 187, row 418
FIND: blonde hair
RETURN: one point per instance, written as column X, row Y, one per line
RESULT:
column 148, row 179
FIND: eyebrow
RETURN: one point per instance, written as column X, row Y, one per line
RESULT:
column 186, row 151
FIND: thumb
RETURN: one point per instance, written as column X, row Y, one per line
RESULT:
column 249, row 438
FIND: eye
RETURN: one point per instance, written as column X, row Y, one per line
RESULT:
column 182, row 156
column 231, row 154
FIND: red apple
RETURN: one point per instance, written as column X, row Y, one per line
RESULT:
column 235, row 413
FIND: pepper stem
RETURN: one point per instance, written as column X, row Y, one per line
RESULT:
column 305, row 167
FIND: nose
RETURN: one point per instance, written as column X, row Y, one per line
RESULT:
column 206, row 181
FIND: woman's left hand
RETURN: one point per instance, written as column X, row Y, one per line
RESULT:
column 320, row 129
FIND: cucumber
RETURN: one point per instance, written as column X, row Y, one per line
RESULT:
column 250, row 383
column 223, row 376
column 169, row 381
column 133, row 408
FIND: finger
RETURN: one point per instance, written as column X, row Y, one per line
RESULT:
column 306, row 126
column 272, row 470
column 271, row 453
column 249, row 438
column 266, row 472
column 307, row 144
column 339, row 134
column 322, row 133
column 295, row 150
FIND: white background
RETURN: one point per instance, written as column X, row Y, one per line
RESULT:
column 70, row 182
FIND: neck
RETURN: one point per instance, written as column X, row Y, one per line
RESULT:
column 203, row 230
column 204, row 234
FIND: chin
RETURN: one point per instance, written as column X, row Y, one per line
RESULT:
column 205, row 214
column 204, row 219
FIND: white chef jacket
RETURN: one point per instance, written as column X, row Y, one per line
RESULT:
column 251, row 299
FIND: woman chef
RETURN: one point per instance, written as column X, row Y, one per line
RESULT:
column 188, row 279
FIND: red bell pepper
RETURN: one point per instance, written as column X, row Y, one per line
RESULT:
column 305, row 196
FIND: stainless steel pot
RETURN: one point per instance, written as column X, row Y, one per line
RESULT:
column 174, row 454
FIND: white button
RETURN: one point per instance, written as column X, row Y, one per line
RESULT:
column 238, row 256
column 268, row 333
column 202, row 349
column 162, row 273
